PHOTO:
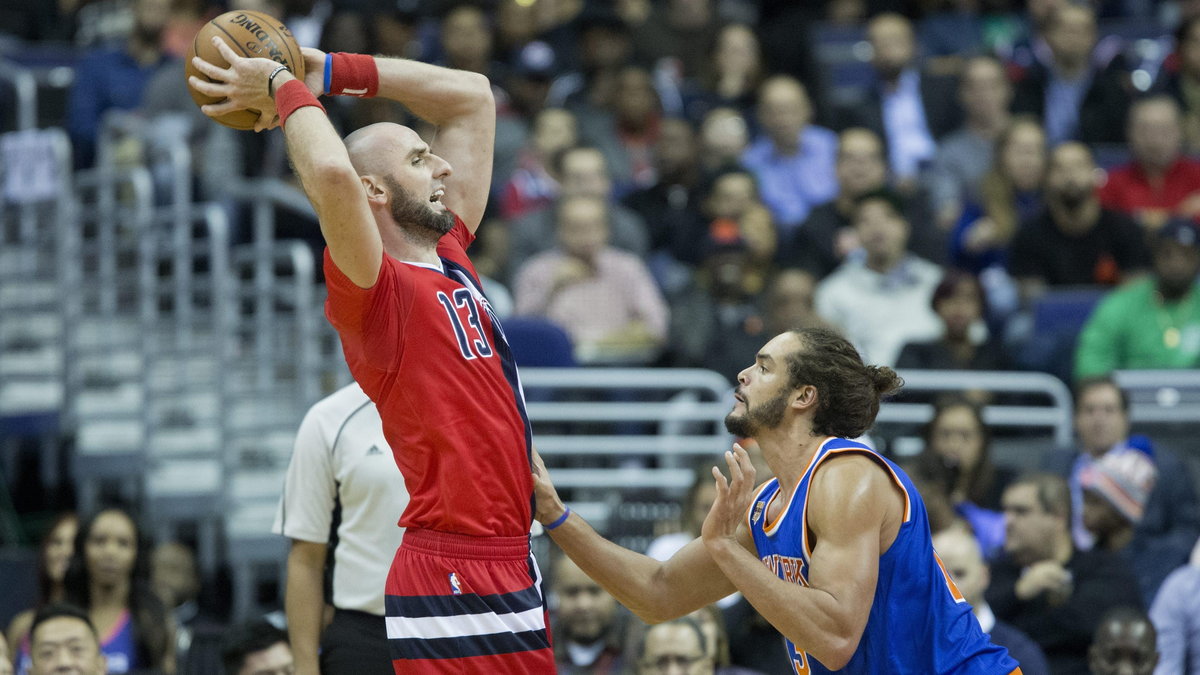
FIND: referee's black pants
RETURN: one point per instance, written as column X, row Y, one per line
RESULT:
column 355, row 643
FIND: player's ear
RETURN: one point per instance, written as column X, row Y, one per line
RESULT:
column 376, row 193
column 805, row 397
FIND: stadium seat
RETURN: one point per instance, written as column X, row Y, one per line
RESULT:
column 537, row 343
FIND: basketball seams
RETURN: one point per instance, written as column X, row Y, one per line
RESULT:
column 274, row 43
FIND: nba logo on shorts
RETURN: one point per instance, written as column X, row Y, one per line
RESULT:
column 455, row 587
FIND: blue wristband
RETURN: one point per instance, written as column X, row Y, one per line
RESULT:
column 328, row 71
column 561, row 519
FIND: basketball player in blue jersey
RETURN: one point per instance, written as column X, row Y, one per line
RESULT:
column 835, row 551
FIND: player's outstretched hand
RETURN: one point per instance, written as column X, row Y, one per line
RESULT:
column 243, row 84
column 733, row 498
column 548, row 507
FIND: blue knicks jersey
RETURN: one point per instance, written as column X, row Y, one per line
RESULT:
column 919, row 622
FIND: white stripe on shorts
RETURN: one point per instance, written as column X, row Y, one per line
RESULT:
column 463, row 625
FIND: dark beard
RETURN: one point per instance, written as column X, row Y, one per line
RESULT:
column 1072, row 199
column 765, row 416
column 409, row 210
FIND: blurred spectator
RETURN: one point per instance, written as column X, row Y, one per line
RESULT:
column 115, row 78
column 724, row 136
column 715, row 321
column 531, row 186
column 65, row 641
column 908, row 108
column 636, row 119
column 960, row 303
column 256, row 648
column 581, row 171
column 587, row 629
column 753, row 641
column 518, row 23
column 1080, row 94
column 956, row 462
column 604, row 45
column 1171, row 521
column 6, row 658
column 605, row 299
column 695, row 507
column 677, row 647
column 960, row 553
column 964, row 156
column 792, row 158
column 1009, row 194
column 1160, row 182
column 466, row 38
column 1176, row 617
column 527, row 84
column 1124, row 644
column 1045, row 586
column 732, row 77
column 1074, row 240
column 1115, row 490
column 1151, row 323
column 671, row 206
column 1182, row 82
column 827, row 236
column 175, row 581
column 530, row 77
column 54, row 554
column 716, row 639
column 107, row 577
column 679, row 32
column 882, row 300
column 733, row 208
column 788, row 304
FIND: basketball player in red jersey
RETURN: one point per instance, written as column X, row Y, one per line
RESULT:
column 397, row 213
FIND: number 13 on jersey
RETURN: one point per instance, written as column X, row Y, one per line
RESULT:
column 475, row 345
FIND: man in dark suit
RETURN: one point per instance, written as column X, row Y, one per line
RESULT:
column 908, row 108
column 1081, row 94
column 1046, row 586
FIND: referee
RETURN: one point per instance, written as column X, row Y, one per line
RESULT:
column 340, row 504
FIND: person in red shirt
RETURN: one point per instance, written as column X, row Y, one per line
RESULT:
column 397, row 213
column 1160, row 182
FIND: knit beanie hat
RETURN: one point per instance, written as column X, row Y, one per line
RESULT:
column 1124, row 477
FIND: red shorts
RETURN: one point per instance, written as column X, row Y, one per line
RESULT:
column 462, row 604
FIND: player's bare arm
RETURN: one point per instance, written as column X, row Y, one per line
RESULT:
column 655, row 591
column 317, row 153
column 854, row 511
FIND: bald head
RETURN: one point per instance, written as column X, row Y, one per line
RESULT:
column 372, row 147
column 960, row 553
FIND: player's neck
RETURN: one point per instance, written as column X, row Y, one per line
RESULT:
column 405, row 247
column 788, row 451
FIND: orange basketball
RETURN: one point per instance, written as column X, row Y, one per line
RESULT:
column 252, row 34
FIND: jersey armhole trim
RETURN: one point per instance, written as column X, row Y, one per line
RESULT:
column 861, row 451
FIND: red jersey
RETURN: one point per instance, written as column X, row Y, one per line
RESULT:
column 424, row 345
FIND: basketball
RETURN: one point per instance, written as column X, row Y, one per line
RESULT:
column 252, row 34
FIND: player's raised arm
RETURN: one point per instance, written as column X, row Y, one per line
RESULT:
column 458, row 102
column 655, row 591
column 317, row 153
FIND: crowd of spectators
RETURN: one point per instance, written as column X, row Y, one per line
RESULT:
column 676, row 181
